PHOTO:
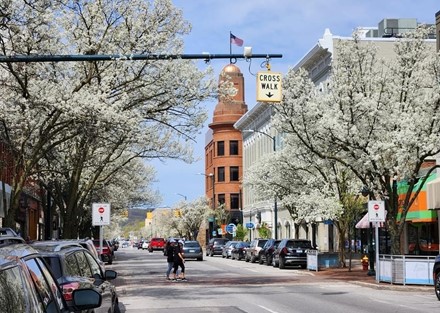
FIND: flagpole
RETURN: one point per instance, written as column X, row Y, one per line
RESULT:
column 230, row 46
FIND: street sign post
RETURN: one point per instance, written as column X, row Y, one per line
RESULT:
column 100, row 214
column 376, row 214
column 231, row 228
column 250, row 225
column 269, row 87
column 376, row 211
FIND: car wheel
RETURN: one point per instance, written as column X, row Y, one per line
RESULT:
column 253, row 259
column 116, row 308
column 110, row 261
column 199, row 259
column 269, row 261
column 281, row 263
column 260, row 261
column 437, row 285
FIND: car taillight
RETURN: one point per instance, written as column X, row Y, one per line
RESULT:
column 284, row 251
column 68, row 290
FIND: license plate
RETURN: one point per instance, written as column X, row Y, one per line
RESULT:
column 299, row 251
column 192, row 250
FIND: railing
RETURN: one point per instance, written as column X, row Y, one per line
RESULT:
column 406, row 269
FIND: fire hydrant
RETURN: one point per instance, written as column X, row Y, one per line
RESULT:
column 364, row 262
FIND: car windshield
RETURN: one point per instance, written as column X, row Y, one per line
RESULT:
column 191, row 244
column 299, row 244
column 261, row 243
column 55, row 266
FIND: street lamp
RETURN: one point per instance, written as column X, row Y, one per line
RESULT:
column 179, row 194
column 274, row 147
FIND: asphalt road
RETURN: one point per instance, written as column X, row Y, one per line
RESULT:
column 230, row 286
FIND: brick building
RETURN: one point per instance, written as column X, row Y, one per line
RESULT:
column 223, row 152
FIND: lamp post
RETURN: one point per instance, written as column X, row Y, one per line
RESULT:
column 179, row 194
column 274, row 148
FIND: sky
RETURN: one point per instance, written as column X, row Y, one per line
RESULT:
column 287, row 27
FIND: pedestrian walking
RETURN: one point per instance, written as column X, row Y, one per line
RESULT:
column 169, row 252
column 179, row 261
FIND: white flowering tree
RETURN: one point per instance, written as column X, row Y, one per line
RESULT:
column 184, row 219
column 310, row 188
column 379, row 118
column 85, row 121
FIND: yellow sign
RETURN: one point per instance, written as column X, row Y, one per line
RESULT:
column 269, row 87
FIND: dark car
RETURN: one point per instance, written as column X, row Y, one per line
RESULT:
column 28, row 285
column 88, row 245
column 239, row 250
column 254, row 249
column 107, row 255
column 436, row 276
column 74, row 268
column 265, row 254
column 215, row 246
column 291, row 252
column 192, row 250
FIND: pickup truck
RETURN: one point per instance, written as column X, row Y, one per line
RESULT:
column 156, row 244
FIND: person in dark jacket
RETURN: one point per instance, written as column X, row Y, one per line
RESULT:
column 169, row 252
column 179, row 260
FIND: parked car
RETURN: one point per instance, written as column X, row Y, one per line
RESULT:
column 192, row 250
column 156, row 244
column 239, row 250
column 74, row 268
column 436, row 276
column 265, row 254
column 107, row 255
column 28, row 285
column 215, row 246
column 227, row 249
column 254, row 249
column 291, row 252
column 7, row 231
column 145, row 245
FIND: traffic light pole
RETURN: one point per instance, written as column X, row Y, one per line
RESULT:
column 129, row 57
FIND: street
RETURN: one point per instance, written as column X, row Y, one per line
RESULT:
column 228, row 286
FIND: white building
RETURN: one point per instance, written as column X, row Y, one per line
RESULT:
column 318, row 62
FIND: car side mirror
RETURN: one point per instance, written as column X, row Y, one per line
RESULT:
column 110, row 274
column 86, row 299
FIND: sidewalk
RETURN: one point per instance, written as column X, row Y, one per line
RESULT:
column 358, row 276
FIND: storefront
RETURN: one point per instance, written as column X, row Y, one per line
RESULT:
column 422, row 231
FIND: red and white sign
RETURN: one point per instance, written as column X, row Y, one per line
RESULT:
column 376, row 211
column 100, row 214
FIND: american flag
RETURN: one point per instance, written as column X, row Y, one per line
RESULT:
column 236, row 41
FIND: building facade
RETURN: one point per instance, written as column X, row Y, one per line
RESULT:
column 223, row 153
column 318, row 61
